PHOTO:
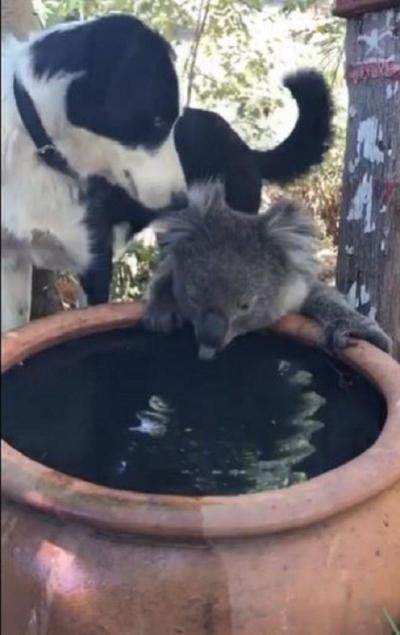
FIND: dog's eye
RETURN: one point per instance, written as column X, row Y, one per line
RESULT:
column 158, row 122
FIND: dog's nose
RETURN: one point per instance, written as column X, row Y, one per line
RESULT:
column 179, row 200
column 211, row 330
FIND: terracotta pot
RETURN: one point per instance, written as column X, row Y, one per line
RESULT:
column 319, row 558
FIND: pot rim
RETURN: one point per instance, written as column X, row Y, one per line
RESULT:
column 188, row 517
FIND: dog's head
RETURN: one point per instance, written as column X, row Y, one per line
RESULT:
column 124, row 89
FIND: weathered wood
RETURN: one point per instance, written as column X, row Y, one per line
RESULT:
column 18, row 17
column 350, row 8
column 369, row 237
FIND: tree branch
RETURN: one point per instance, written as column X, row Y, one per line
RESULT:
column 201, row 24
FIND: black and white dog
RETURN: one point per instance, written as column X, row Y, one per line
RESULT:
column 95, row 98
column 210, row 149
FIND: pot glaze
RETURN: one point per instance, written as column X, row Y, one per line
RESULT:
column 318, row 558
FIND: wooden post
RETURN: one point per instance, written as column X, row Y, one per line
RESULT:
column 369, row 236
column 350, row 8
column 17, row 17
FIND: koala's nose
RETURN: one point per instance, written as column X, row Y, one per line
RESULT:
column 179, row 200
column 212, row 329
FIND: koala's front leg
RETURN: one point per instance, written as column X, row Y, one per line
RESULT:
column 161, row 313
column 339, row 321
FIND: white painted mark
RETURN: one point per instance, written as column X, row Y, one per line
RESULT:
column 364, row 295
column 349, row 250
column 369, row 133
column 361, row 205
column 372, row 41
column 369, row 227
column 392, row 90
column 352, row 295
column 352, row 166
column 389, row 18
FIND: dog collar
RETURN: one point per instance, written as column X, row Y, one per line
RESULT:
column 45, row 148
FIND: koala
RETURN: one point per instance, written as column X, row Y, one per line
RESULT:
column 228, row 273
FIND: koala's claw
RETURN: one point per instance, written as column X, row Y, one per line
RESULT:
column 161, row 319
column 378, row 338
column 342, row 334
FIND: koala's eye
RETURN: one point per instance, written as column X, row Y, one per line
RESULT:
column 243, row 306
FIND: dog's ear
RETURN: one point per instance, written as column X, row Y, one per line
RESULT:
column 108, row 49
column 61, row 52
column 127, row 74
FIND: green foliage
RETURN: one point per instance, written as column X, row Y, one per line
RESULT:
column 132, row 272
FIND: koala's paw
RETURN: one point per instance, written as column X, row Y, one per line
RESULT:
column 342, row 334
column 161, row 318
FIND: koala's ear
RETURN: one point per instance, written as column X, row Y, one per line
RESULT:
column 206, row 201
column 286, row 216
column 208, row 197
column 173, row 228
column 290, row 226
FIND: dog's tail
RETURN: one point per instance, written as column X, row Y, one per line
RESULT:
column 310, row 138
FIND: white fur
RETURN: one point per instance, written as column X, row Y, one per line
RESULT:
column 153, row 172
column 293, row 294
column 38, row 202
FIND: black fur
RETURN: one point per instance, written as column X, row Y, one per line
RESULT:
column 311, row 136
column 209, row 148
column 128, row 90
column 107, row 205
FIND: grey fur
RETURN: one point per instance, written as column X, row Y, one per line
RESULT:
column 228, row 273
column 340, row 322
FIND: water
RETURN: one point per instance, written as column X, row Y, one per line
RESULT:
column 138, row 411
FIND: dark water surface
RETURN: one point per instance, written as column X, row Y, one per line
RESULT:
column 138, row 411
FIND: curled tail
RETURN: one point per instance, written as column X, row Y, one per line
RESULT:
column 310, row 138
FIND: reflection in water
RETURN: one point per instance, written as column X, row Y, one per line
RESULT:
column 159, row 420
column 151, row 417
column 154, row 420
